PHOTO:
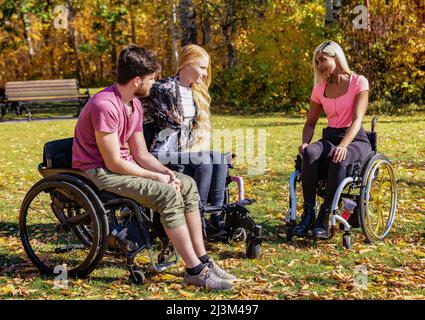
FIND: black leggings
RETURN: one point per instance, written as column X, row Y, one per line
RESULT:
column 209, row 170
column 317, row 160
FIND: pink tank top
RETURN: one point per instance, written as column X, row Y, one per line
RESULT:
column 339, row 111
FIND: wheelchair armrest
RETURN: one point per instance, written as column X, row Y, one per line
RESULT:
column 213, row 209
column 245, row 202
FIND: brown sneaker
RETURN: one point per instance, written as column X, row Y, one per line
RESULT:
column 219, row 271
column 207, row 279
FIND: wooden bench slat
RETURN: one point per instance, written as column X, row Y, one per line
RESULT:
column 45, row 98
column 41, row 89
column 27, row 89
column 42, row 81
column 8, row 88
column 42, row 93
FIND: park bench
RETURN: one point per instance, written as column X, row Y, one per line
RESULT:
column 55, row 93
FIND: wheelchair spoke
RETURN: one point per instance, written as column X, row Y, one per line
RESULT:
column 45, row 215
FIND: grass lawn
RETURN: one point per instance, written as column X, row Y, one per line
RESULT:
column 297, row 270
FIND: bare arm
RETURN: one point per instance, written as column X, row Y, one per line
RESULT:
column 312, row 118
column 109, row 148
column 360, row 106
column 310, row 124
column 142, row 156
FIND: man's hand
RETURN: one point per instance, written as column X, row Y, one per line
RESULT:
column 176, row 185
column 163, row 178
column 173, row 178
column 168, row 178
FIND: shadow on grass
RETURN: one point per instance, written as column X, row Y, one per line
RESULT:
column 38, row 119
column 259, row 124
column 9, row 229
column 410, row 183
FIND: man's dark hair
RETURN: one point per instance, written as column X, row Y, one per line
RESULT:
column 134, row 62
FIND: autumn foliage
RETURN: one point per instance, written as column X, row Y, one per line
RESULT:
column 261, row 49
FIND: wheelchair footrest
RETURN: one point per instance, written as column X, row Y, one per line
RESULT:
column 216, row 235
column 163, row 266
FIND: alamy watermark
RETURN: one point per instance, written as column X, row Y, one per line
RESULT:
column 361, row 20
column 61, row 19
column 250, row 149
column 360, row 277
column 61, row 280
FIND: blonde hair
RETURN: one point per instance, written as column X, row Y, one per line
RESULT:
column 190, row 54
column 332, row 49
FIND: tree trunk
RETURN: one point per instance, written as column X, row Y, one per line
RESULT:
column 173, row 33
column 229, row 46
column 113, row 50
column 368, row 16
column 205, row 26
column 26, row 25
column 73, row 39
column 132, row 24
column 187, row 22
column 259, row 10
column 333, row 10
column 228, row 28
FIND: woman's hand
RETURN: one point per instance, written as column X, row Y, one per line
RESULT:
column 339, row 153
column 301, row 149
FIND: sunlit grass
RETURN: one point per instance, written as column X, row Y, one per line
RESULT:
column 285, row 270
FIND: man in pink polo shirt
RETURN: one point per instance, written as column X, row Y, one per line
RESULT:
column 109, row 146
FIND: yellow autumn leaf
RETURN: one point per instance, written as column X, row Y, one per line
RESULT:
column 186, row 293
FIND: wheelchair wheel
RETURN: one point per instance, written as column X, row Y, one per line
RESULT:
column 239, row 235
column 253, row 248
column 138, row 277
column 378, row 198
column 55, row 217
column 81, row 231
column 346, row 241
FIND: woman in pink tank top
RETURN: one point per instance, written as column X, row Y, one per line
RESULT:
column 343, row 96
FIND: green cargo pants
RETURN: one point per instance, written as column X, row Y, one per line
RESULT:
column 160, row 197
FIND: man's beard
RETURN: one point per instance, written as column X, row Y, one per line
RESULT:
column 141, row 93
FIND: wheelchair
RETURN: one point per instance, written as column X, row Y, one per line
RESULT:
column 65, row 221
column 236, row 225
column 370, row 185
